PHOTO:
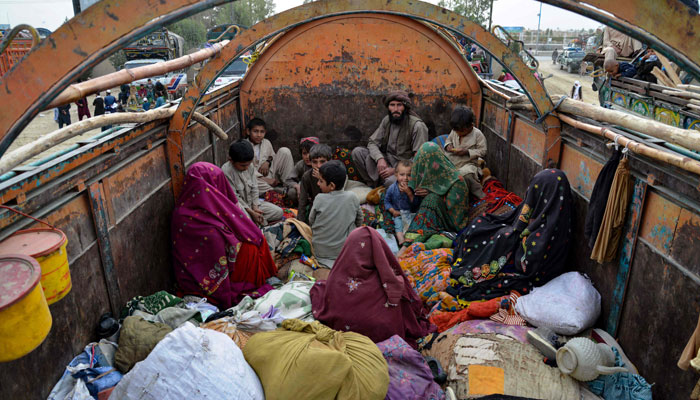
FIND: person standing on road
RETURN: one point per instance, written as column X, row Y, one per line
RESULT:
column 555, row 54
column 109, row 102
column 83, row 109
column 63, row 115
column 577, row 92
column 99, row 105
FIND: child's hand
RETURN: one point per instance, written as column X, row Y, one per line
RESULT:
column 395, row 213
column 257, row 216
column 403, row 187
column 264, row 168
column 461, row 152
column 315, row 173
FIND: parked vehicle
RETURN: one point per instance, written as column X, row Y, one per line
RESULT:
column 571, row 60
column 175, row 82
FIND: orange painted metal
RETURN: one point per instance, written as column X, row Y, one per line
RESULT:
column 529, row 139
column 17, row 49
column 659, row 222
column 496, row 118
column 77, row 45
column 328, row 8
column 581, row 170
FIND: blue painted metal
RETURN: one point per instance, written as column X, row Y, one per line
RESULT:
column 629, row 242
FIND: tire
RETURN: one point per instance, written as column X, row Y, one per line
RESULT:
column 568, row 68
column 561, row 66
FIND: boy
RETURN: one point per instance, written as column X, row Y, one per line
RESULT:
column 334, row 215
column 241, row 174
column 400, row 200
column 303, row 165
column 274, row 171
column 464, row 145
column 308, row 187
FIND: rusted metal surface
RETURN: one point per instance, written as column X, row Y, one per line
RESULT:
column 496, row 118
column 99, row 218
column 529, row 139
column 77, row 45
column 627, row 246
column 685, row 246
column 349, row 63
column 669, row 26
column 326, row 9
column 661, row 311
column 659, row 222
column 581, row 170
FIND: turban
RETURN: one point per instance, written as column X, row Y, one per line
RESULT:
column 397, row 95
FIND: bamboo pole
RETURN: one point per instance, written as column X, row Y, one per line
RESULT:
column 669, row 69
column 681, row 93
column 24, row 153
column 684, row 163
column 77, row 91
column 691, row 88
column 694, row 107
column 689, row 139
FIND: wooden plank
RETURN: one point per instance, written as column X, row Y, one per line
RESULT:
column 100, row 220
column 670, row 71
column 629, row 242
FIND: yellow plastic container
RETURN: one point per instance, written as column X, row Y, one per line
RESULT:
column 48, row 247
column 25, row 319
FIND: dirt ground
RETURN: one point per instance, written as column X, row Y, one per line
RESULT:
column 561, row 81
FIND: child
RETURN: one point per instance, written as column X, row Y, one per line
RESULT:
column 464, row 145
column 274, row 171
column 303, row 165
column 308, row 187
column 241, row 174
column 400, row 200
column 146, row 105
column 334, row 215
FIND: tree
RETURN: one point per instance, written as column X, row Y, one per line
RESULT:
column 475, row 10
column 192, row 30
column 245, row 12
column 118, row 59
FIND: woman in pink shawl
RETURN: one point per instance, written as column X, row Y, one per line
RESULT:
column 218, row 251
column 368, row 293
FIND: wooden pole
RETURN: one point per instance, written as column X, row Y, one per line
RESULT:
column 691, row 88
column 684, row 163
column 681, row 93
column 687, row 138
column 24, row 153
column 77, row 91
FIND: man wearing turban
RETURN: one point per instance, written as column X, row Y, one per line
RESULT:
column 398, row 137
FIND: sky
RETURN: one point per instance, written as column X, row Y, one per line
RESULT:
column 50, row 14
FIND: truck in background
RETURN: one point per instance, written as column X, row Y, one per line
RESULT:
column 159, row 46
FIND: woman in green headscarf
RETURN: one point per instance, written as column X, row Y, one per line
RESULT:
column 446, row 201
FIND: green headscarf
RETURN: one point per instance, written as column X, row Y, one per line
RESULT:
column 432, row 170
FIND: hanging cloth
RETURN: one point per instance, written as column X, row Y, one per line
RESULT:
column 599, row 198
column 605, row 248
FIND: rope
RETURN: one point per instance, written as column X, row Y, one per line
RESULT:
column 28, row 216
column 548, row 113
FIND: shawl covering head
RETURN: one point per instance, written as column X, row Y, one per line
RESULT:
column 208, row 228
column 432, row 170
column 367, row 292
column 518, row 250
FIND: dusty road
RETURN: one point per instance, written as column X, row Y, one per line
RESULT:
column 561, row 81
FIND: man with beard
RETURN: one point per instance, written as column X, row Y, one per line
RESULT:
column 398, row 137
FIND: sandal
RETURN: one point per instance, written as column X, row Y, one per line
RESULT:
column 439, row 376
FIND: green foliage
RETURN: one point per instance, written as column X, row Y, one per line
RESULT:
column 192, row 30
column 245, row 12
column 118, row 59
column 475, row 10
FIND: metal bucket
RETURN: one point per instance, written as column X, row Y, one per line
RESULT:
column 48, row 247
column 25, row 319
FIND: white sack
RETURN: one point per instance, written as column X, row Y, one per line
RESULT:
column 191, row 363
column 567, row 304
